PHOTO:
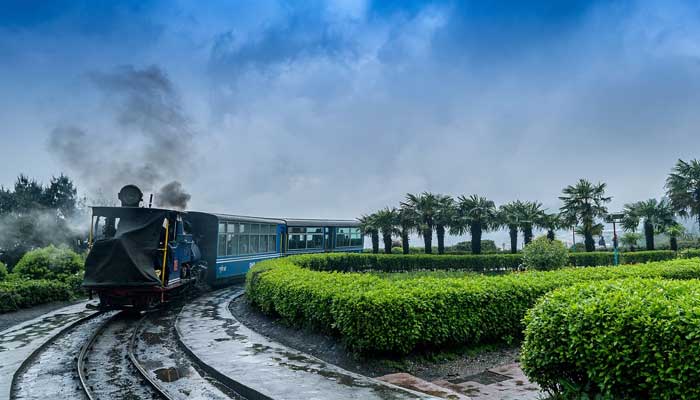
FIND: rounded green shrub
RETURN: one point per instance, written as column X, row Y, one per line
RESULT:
column 627, row 339
column 543, row 254
column 52, row 263
column 3, row 271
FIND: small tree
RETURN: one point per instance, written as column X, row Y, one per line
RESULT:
column 385, row 220
column 683, row 188
column 585, row 202
column 674, row 232
column 543, row 254
column 475, row 214
column 630, row 239
column 369, row 228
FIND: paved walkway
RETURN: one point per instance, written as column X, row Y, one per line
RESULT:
column 19, row 341
column 208, row 329
column 506, row 382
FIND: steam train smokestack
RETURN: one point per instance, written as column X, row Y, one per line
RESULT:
column 130, row 196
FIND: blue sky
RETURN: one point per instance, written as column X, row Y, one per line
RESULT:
column 332, row 109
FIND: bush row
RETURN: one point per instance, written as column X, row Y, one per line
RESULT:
column 16, row 294
column 383, row 315
column 628, row 339
column 349, row 262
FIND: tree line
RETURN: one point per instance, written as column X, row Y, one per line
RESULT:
column 33, row 215
column 584, row 210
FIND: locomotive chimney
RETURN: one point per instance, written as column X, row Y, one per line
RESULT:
column 130, row 196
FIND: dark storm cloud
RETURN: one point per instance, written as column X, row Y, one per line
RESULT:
column 151, row 145
column 332, row 109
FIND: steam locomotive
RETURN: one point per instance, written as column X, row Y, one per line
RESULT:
column 140, row 256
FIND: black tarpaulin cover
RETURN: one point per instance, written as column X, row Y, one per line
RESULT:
column 129, row 257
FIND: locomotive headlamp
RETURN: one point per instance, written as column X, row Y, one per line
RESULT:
column 130, row 196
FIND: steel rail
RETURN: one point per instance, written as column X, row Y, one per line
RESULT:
column 162, row 391
column 82, row 356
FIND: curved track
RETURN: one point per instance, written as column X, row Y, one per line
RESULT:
column 49, row 370
column 105, row 373
column 130, row 357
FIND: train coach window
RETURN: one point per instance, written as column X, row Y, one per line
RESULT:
column 222, row 245
column 271, row 243
column 232, row 244
column 296, row 242
column 231, row 228
column 342, row 237
column 222, row 227
column 254, row 229
column 244, row 245
column 254, row 240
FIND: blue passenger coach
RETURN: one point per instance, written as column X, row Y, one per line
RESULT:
column 242, row 241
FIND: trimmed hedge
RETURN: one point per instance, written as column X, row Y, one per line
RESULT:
column 690, row 253
column 354, row 262
column 383, row 315
column 636, row 339
column 16, row 294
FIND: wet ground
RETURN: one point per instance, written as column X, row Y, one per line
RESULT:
column 158, row 352
column 109, row 373
column 19, row 341
column 53, row 373
column 207, row 327
column 7, row 320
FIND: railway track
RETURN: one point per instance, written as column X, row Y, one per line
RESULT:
column 106, row 365
column 117, row 355
column 131, row 357
column 49, row 371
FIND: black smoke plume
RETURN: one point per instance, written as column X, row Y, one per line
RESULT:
column 172, row 195
column 152, row 145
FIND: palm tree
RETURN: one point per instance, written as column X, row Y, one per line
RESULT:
column 477, row 214
column 585, row 202
column 509, row 217
column 683, row 188
column 423, row 206
column 531, row 215
column 369, row 227
column 405, row 223
column 385, row 220
column 552, row 222
column 655, row 215
column 444, row 217
column 674, row 231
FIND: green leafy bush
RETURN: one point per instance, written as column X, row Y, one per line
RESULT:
column 51, row 263
column 3, row 271
column 373, row 314
column 16, row 294
column 543, row 254
column 632, row 339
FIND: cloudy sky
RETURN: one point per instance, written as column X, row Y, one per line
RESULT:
column 333, row 109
